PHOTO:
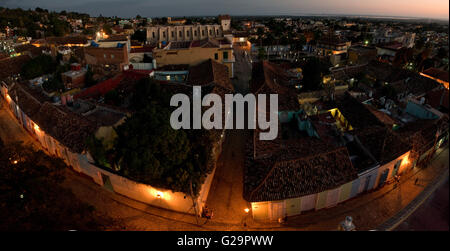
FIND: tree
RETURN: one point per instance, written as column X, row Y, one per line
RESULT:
column 89, row 78
column 38, row 66
column 139, row 35
column 148, row 150
column 313, row 73
column 442, row 53
column 32, row 197
column 107, row 29
column 53, row 84
column 113, row 98
column 261, row 54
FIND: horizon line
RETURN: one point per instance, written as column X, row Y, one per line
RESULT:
column 373, row 16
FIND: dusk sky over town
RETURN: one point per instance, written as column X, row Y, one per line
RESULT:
column 403, row 8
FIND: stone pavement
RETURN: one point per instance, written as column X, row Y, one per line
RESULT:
column 431, row 214
column 368, row 211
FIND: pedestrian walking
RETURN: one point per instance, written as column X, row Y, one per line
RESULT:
column 415, row 182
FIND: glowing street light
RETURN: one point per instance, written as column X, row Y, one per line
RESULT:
column 247, row 210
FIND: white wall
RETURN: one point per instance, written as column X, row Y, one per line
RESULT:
column 175, row 201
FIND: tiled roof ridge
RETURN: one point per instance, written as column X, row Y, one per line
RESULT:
column 277, row 162
column 20, row 88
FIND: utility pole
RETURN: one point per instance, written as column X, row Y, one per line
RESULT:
column 194, row 203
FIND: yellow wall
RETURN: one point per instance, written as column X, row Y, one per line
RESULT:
column 260, row 210
column 191, row 56
column 321, row 200
column 403, row 166
column 345, row 191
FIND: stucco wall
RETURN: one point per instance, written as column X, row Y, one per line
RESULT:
column 167, row 199
column 390, row 166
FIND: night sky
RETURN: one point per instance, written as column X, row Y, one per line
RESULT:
column 156, row 8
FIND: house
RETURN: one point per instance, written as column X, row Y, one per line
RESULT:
column 388, row 51
column 75, row 77
column 335, row 48
column 332, row 46
column 388, row 35
column 317, row 160
column 12, row 66
column 142, row 57
column 196, row 52
column 62, row 131
column 172, row 73
column 210, row 72
column 361, row 54
column 110, row 58
column 55, row 42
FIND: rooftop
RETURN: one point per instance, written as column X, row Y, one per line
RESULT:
column 210, row 72
column 12, row 65
column 437, row 73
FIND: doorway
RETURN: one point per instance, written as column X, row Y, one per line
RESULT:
column 396, row 167
column 383, row 177
column 107, row 183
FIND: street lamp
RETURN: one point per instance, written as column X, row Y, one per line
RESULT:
column 244, row 220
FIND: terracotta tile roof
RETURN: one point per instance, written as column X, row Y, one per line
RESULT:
column 12, row 65
column 114, row 38
column 69, row 128
column 437, row 73
column 394, row 45
column 33, row 50
column 209, row 72
column 173, row 67
column 27, row 103
column 381, row 116
column 105, row 117
column 269, row 78
column 298, row 177
column 438, row 98
column 415, row 84
column 205, row 43
column 382, row 143
column 422, row 133
column 66, row 40
column 142, row 49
